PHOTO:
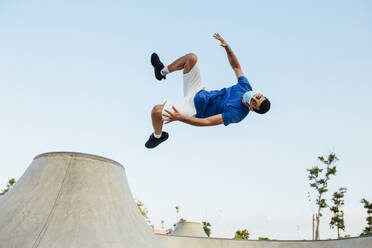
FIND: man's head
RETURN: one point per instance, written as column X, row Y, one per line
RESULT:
column 256, row 102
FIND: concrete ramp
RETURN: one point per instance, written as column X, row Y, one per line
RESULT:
column 188, row 228
column 73, row 200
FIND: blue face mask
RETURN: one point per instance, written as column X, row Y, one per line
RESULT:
column 248, row 96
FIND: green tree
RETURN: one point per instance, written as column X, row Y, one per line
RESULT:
column 143, row 211
column 263, row 238
column 242, row 234
column 319, row 182
column 368, row 229
column 337, row 219
column 206, row 227
column 11, row 182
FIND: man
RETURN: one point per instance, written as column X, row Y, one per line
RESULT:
column 200, row 107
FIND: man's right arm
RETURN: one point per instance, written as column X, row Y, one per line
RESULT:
column 230, row 55
column 200, row 122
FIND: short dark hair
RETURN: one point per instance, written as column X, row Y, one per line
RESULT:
column 264, row 107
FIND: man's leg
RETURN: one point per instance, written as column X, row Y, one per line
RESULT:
column 192, row 81
column 184, row 63
column 157, row 122
column 157, row 119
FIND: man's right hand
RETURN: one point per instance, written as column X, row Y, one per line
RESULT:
column 217, row 36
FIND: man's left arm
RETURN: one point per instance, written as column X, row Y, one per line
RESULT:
column 200, row 122
column 233, row 60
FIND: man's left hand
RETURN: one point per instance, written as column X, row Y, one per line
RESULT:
column 175, row 116
column 217, row 36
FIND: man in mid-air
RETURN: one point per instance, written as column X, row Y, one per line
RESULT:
column 199, row 107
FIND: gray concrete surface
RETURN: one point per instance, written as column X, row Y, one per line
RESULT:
column 170, row 241
column 72, row 200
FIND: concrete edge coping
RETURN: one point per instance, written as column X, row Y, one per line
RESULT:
column 79, row 155
column 186, row 221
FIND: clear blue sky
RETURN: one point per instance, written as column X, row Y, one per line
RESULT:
column 75, row 76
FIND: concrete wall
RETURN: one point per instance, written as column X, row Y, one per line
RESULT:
column 195, row 242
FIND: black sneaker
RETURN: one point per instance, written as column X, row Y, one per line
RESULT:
column 154, row 142
column 158, row 66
